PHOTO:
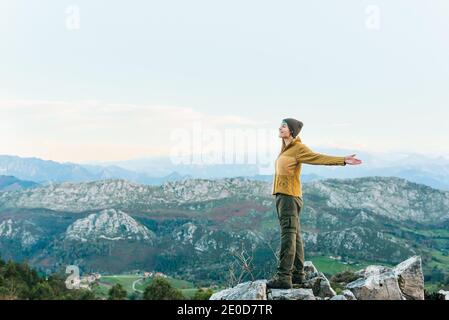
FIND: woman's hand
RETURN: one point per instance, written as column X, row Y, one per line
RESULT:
column 352, row 160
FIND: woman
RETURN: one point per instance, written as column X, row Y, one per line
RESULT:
column 289, row 202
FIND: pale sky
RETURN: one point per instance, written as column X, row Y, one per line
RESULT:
column 112, row 80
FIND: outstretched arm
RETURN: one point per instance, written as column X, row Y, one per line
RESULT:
column 305, row 155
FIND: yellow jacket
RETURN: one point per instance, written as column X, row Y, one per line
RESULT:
column 288, row 166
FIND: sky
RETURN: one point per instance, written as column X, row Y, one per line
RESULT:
column 113, row 80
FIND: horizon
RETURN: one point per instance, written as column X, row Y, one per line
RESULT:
column 400, row 153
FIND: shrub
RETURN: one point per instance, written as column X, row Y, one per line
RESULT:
column 203, row 294
column 117, row 292
column 161, row 289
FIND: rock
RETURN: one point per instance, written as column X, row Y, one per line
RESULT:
column 376, row 287
column 291, row 294
column 403, row 282
column 317, row 281
column 372, row 270
column 338, row 297
column 316, row 287
column 309, row 269
column 410, row 278
column 251, row 290
column 348, row 295
column 444, row 294
column 320, row 285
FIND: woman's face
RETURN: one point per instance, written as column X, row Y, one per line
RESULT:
column 284, row 131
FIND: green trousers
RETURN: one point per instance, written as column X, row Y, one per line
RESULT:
column 291, row 255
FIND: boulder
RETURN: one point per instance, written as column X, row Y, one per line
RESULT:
column 372, row 270
column 320, row 285
column 403, row 282
column 317, row 281
column 376, row 287
column 290, row 294
column 251, row 290
column 410, row 278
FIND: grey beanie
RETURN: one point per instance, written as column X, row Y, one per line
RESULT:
column 294, row 125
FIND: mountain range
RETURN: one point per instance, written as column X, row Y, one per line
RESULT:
column 195, row 228
column 12, row 183
column 427, row 170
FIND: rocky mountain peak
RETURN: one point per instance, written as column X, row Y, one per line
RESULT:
column 109, row 224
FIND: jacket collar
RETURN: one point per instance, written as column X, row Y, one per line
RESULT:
column 294, row 141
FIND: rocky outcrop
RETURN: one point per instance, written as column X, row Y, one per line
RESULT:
column 126, row 195
column 109, row 224
column 316, row 287
column 290, row 294
column 403, row 282
column 255, row 290
column 376, row 287
column 410, row 278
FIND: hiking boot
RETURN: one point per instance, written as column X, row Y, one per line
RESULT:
column 277, row 283
column 298, row 279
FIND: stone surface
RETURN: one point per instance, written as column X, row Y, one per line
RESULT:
column 348, row 295
column 338, row 297
column 290, row 294
column 251, row 290
column 410, row 278
column 320, row 285
column 403, row 282
column 376, row 287
column 372, row 270
column 444, row 294
column 317, row 281
column 310, row 269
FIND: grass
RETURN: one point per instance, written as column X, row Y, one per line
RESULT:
column 438, row 260
column 189, row 293
column 433, row 287
column 431, row 233
column 330, row 266
column 106, row 282
column 125, row 280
